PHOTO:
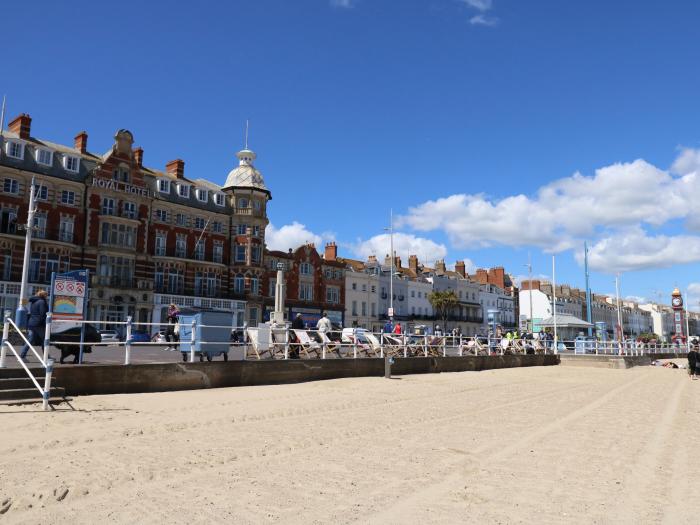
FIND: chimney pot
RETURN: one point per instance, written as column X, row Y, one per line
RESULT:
column 81, row 142
column 176, row 168
column 331, row 253
column 21, row 125
column 138, row 156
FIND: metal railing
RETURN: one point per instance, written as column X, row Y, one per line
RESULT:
column 45, row 361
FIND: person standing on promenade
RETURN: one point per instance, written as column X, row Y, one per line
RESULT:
column 173, row 318
column 298, row 323
column 388, row 327
column 36, row 324
column 693, row 361
column 397, row 329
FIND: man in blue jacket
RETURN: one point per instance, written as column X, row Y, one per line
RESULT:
column 36, row 324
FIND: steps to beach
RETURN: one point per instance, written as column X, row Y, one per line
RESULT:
column 17, row 388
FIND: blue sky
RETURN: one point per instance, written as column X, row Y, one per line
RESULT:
column 470, row 118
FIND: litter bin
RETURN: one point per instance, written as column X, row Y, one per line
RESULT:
column 212, row 336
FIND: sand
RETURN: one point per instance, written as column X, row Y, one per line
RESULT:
column 530, row 445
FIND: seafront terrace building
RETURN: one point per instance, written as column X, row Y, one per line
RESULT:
column 147, row 236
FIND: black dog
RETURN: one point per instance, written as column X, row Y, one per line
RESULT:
column 73, row 336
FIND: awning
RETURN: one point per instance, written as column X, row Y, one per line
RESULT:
column 565, row 321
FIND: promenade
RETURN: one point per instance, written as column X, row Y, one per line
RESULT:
column 543, row 444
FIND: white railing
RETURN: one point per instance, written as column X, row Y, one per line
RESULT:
column 45, row 361
column 266, row 342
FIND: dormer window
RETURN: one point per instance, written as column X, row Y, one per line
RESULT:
column 15, row 150
column 44, row 156
column 183, row 190
column 71, row 164
column 219, row 199
column 202, row 195
column 163, row 186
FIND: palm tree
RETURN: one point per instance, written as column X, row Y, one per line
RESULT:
column 443, row 303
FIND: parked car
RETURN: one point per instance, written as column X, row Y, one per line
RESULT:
column 140, row 337
column 109, row 336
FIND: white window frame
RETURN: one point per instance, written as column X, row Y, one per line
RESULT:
column 183, row 190
column 161, row 215
column 161, row 244
column 199, row 223
column 72, row 200
column 63, row 229
column 113, row 207
column 66, row 163
column 202, row 195
column 10, row 144
column 125, row 205
column 14, row 182
column 37, row 192
column 219, row 199
column 39, row 151
column 163, row 186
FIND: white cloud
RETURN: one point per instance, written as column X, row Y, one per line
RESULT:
column 615, row 205
column 483, row 20
column 405, row 244
column 344, row 4
column 634, row 249
column 292, row 236
column 481, row 5
column 692, row 298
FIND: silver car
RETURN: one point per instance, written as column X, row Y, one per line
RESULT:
column 109, row 336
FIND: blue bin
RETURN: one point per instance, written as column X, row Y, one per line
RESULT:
column 212, row 334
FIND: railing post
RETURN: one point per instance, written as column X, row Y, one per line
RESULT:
column 444, row 346
column 405, row 347
column 323, row 345
column 5, row 337
column 47, row 383
column 47, row 336
column 460, row 345
column 425, row 346
column 127, row 343
column 286, row 342
column 192, row 339
column 381, row 344
column 354, row 343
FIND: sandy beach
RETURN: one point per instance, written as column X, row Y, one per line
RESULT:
column 530, row 445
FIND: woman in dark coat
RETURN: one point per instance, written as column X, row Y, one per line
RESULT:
column 693, row 360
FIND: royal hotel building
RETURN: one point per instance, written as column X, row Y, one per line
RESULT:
column 148, row 237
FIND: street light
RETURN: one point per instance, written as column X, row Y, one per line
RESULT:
column 21, row 313
column 529, row 269
column 390, row 229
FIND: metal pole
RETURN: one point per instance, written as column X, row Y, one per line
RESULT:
column 21, row 314
column 529, row 270
column 2, row 116
column 286, row 342
column 620, row 331
column 687, row 326
column 127, row 344
column 47, row 336
column 354, row 343
column 391, row 276
column 47, row 383
column 589, row 313
column 192, row 340
column 554, row 307
column 5, row 337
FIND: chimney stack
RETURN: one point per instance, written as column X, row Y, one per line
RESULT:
column 413, row 262
column 138, row 157
column 176, row 167
column 331, row 253
column 461, row 269
column 372, row 259
column 497, row 276
column 81, row 142
column 482, row 276
column 440, row 266
column 397, row 262
column 22, row 125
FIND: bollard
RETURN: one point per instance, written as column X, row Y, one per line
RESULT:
column 5, row 337
column 192, row 339
column 127, row 343
column 286, row 343
column 47, row 336
column 47, row 383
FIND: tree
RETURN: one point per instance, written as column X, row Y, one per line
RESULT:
column 443, row 303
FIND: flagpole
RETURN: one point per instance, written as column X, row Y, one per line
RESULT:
column 2, row 116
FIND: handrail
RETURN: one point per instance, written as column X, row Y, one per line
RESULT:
column 41, row 360
column 26, row 369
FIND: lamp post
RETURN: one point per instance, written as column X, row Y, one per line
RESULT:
column 391, row 275
column 620, row 331
column 21, row 313
column 529, row 270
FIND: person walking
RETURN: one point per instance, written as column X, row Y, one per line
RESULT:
column 397, row 329
column 36, row 324
column 172, row 330
column 324, row 324
column 693, row 358
column 388, row 327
